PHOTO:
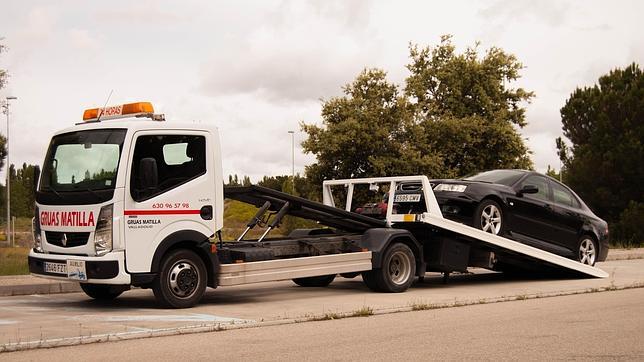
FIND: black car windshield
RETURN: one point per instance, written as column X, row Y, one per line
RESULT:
column 82, row 161
column 503, row 177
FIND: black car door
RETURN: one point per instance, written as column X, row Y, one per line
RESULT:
column 569, row 219
column 532, row 214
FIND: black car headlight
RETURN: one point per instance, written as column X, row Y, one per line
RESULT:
column 450, row 187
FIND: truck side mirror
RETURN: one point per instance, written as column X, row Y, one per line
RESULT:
column 148, row 173
column 35, row 179
column 529, row 189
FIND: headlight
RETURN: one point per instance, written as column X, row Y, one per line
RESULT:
column 103, row 233
column 35, row 230
column 450, row 187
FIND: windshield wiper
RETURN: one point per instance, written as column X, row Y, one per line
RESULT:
column 49, row 188
column 98, row 197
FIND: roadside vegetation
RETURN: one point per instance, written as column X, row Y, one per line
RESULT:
column 13, row 261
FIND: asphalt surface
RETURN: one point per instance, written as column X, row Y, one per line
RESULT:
column 66, row 319
column 595, row 326
column 27, row 284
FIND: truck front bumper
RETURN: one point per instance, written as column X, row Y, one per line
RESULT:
column 106, row 269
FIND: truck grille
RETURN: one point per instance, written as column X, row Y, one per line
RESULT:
column 66, row 240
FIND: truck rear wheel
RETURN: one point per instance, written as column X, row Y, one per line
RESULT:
column 181, row 281
column 321, row 281
column 396, row 273
column 102, row 291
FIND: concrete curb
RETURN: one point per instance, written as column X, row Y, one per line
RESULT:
column 39, row 288
column 27, row 285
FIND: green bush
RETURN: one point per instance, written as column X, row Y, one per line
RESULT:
column 629, row 230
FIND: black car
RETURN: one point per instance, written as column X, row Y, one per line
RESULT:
column 528, row 207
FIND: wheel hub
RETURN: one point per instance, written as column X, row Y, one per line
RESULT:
column 587, row 252
column 399, row 268
column 491, row 219
column 183, row 279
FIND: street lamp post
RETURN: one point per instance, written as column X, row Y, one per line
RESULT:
column 292, row 160
column 9, row 239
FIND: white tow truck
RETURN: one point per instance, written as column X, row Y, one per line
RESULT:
column 126, row 199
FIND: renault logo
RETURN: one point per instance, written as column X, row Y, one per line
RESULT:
column 64, row 239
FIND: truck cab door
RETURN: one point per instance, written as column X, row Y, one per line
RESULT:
column 170, row 187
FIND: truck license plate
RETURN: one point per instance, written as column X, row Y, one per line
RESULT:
column 407, row 198
column 76, row 270
column 55, row 268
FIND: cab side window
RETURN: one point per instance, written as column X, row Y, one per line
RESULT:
column 563, row 196
column 163, row 162
column 541, row 183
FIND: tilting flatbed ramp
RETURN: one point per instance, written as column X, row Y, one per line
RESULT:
column 520, row 254
column 300, row 207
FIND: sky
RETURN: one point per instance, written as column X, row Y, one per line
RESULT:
column 257, row 69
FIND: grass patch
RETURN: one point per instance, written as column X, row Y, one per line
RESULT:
column 363, row 312
column 422, row 306
column 13, row 261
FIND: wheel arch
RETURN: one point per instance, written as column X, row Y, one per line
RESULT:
column 377, row 240
column 190, row 240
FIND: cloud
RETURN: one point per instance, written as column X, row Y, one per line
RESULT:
column 82, row 40
column 553, row 14
column 306, row 52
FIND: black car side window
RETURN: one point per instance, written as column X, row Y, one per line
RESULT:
column 563, row 196
column 541, row 183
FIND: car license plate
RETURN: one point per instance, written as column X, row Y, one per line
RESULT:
column 55, row 268
column 407, row 198
column 76, row 270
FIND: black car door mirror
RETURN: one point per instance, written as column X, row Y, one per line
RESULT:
column 529, row 189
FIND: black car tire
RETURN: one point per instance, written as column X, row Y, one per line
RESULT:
column 181, row 281
column 315, row 282
column 587, row 250
column 102, row 291
column 489, row 216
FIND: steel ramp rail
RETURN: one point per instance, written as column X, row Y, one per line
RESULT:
column 434, row 218
column 300, row 207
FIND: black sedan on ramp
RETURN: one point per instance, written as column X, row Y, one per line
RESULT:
column 528, row 207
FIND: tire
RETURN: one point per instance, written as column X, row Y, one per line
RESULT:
column 489, row 217
column 102, row 291
column 587, row 250
column 397, row 272
column 181, row 281
column 321, row 281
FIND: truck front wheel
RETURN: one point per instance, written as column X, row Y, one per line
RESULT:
column 396, row 273
column 102, row 291
column 181, row 281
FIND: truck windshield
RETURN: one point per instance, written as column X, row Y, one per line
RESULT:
column 82, row 161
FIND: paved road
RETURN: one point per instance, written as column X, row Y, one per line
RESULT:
column 37, row 320
column 606, row 325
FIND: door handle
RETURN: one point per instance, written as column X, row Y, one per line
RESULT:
column 206, row 212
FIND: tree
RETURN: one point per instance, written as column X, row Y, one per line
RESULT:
column 456, row 116
column 605, row 126
column 367, row 132
column 468, row 114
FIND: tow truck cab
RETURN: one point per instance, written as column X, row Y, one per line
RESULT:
column 110, row 192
